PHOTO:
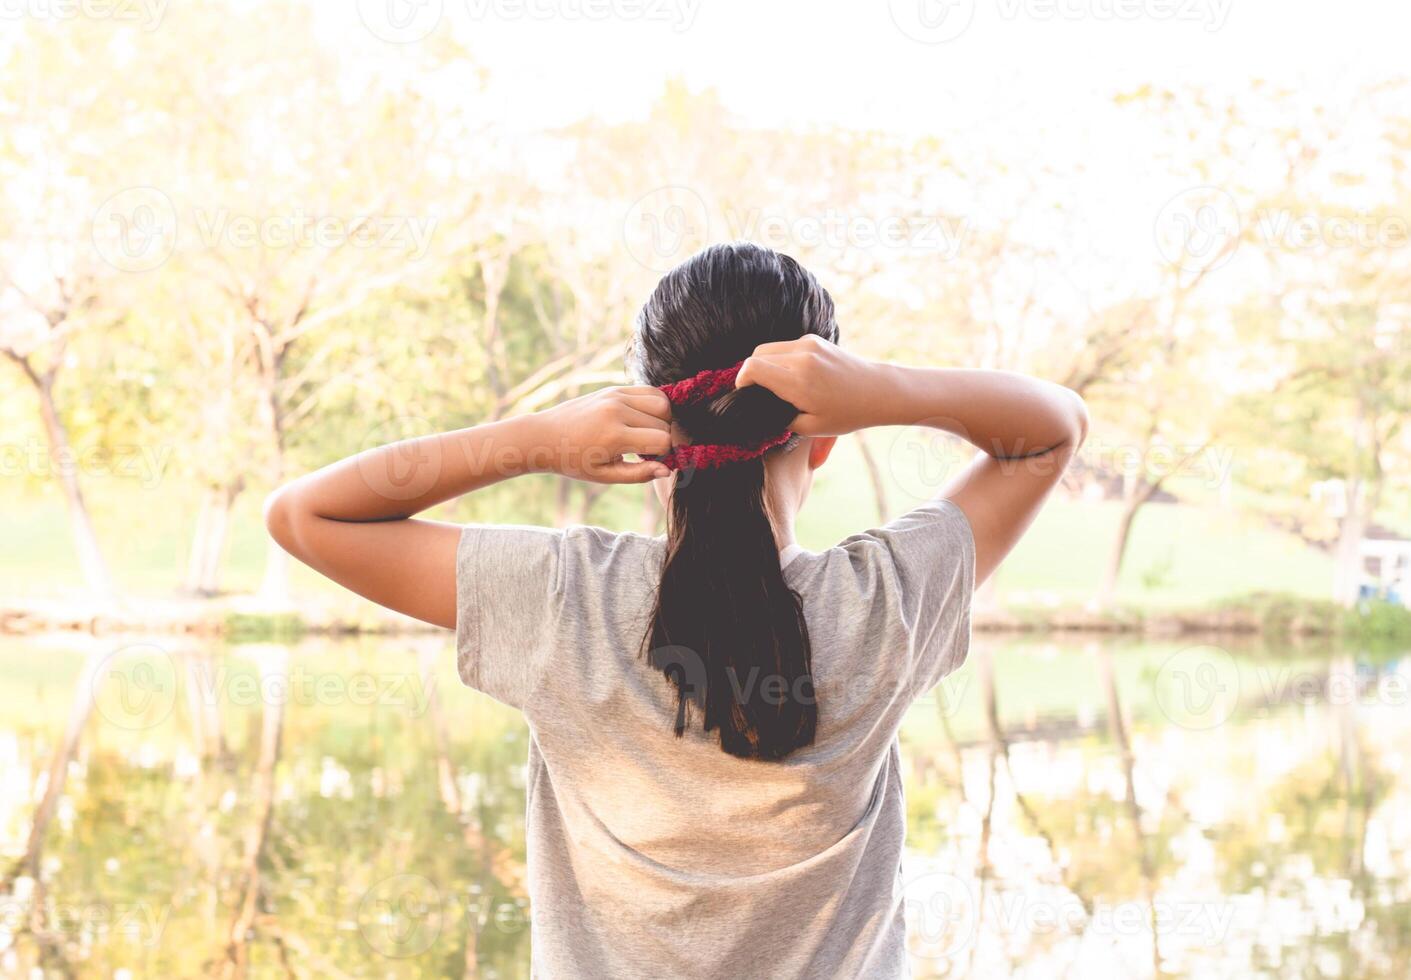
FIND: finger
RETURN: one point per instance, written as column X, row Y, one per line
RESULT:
column 625, row 472
column 782, row 346
column 658, row 409
column 763, row 371
column 807, row 425
column 644, row 441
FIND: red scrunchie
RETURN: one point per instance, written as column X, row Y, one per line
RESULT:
column 699, row 387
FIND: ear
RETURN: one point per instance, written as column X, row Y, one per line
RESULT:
column 819, row 449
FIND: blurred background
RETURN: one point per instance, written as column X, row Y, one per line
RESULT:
column 239, row 240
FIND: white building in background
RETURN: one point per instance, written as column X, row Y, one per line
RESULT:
column 1386, row 564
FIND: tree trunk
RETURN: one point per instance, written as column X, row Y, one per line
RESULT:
column 203, row 561
column 85, row 539
column 874, row 474
column 274, row 587
column 1132, row 502
column 84, row 698
column 563, row 502
column 1117, row 726
column 1347, row 568
column 236, row 960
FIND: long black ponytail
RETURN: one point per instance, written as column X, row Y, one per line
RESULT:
column 727, row 630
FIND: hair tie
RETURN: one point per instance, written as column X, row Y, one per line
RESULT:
column 699, row 388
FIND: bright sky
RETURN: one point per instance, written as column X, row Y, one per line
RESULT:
column 869, row 61
column 1033, row 79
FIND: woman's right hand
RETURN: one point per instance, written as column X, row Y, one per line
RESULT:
column 835, row 391
column 587, row 437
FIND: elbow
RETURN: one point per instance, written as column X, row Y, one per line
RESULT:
column 281, row 517
column 1080, row 418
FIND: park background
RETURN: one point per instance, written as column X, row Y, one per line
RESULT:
column 239, row 240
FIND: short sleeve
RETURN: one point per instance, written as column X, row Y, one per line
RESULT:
column 932, row 554
column 508, row 601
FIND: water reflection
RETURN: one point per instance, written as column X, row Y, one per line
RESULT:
column 340, row 808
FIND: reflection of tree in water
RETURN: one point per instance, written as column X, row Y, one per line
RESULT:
column 244, row 839
column 1300, row 846
column 237, row 838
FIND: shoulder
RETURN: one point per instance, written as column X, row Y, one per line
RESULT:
column 518, row 545
column 601, row 551
column 934, row 533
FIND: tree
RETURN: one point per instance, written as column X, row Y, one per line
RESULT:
column 1334, row 340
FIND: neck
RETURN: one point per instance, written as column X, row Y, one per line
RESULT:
column 782, row 506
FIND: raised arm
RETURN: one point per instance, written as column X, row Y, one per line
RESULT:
column 351, row 520
column 1027, row 429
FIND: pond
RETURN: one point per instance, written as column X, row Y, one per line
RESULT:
column 1082, row 807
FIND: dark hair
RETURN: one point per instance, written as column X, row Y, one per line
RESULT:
column 727, row 630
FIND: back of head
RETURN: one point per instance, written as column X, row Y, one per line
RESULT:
column 727, row 629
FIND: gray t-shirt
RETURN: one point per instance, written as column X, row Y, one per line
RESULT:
column 652, row 856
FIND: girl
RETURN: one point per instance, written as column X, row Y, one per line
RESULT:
column 714, row 787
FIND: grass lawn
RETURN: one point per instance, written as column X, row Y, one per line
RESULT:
column 1180, row 555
